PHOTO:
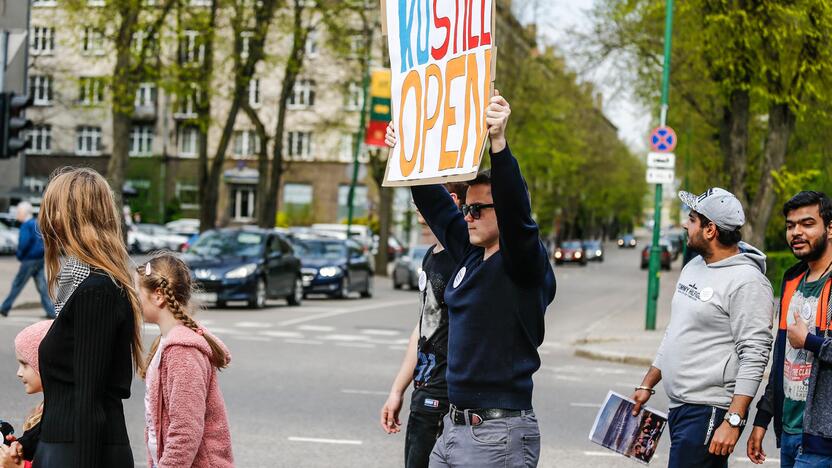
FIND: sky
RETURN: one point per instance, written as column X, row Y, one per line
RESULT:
column 556, row 19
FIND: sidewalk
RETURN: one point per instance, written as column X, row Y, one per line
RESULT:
column 620, row 336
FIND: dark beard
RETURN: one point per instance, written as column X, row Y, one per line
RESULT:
column 818, row 249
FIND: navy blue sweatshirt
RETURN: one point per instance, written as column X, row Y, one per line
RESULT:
column 495, row 307
column 30, row 242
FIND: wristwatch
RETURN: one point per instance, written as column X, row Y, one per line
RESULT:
column 735, row 420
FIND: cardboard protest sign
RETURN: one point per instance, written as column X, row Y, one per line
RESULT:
column 443, row 60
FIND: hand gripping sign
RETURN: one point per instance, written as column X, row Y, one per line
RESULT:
column 443, row 61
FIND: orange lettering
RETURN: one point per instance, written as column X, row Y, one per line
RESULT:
column 410, row 81
column 433, row 71
column 455, row 69
column 486, row 94
column 471, row 93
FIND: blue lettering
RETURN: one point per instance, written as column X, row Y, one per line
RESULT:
column 405, row 27
column 422, row 55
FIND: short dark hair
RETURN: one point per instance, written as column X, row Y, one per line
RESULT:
column 811, row 198
column 483, row 178
column 460, row 189
column 724, row 236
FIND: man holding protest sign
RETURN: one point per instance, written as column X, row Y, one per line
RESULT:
column 502, row 286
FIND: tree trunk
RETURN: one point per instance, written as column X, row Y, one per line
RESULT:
column 117, row 165
column 262, row 167
column 734, row 142
column 781, row 122
column 209, row 181
column 385, row 213
column 293, row 67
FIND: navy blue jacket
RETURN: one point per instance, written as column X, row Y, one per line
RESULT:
column 495, row 307
column 770, row 405
column 30, row 242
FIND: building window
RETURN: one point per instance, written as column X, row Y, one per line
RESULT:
column 43, row 40
column 146, row 96
column 246, row 143
column 141, row 140
column 35, row 184
column 312, row 44
column 41, row 88
column 89, row 141
column 347, row 147
column 188, row 138
column 303, row 95
column 91, row 91
column 297, row 202
column 242, row 203
column 254, row 92
column 359, row 204
column 40, row 139
column 44, row 3
column 92, row 41
column 191, row 49
column 188, row 196
column 299, row 145
column 245, row 43
column 95, row 3
column 357, row 45
column 355, row 97
column 187, row 104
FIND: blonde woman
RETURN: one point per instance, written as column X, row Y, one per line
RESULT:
column 88, row 357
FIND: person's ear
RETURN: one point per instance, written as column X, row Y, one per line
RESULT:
column 159, row 298
column 455, row 198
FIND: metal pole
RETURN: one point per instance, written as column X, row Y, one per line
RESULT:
column 655, row 251
column 361, row 125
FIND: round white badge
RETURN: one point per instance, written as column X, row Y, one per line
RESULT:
column 806, row 311
column 459, row 277
column 706, row 294
column 423, row 280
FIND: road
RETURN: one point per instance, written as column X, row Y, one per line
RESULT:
column 306, row 383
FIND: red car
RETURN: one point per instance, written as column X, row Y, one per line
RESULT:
column 666, row 256
column 571, row 252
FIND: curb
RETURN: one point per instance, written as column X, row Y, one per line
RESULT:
column 27, row 306
column 613, row 356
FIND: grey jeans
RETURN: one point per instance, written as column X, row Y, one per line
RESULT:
column 505, row 443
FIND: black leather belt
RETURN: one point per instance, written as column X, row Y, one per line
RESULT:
column 479, row 415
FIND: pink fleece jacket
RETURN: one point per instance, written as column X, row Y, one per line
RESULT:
column 187, row 405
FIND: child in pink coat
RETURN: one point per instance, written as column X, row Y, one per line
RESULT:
column 186, row 420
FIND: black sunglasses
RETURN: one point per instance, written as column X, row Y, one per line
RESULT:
column 475, row 209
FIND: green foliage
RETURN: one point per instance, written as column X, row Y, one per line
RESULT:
column 776, row 265
column 372, row 222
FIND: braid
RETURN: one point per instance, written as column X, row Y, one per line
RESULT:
column 176, row 308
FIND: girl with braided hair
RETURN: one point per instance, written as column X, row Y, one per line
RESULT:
column 187, row 423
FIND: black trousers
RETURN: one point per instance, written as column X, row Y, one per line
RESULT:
column 691, row 429
column 423, row 428
column 62, row 455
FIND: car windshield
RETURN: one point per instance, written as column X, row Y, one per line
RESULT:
column 418, row 253
column 592, row 244
column 571, row 245
column 229, row 243
column 332, row 250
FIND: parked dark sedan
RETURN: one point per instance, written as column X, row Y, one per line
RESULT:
column 571, row 252
column 250, row 265
column 627, row 241
column 334, row 267
column 409, row 267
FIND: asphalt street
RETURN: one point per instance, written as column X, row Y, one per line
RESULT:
column 306, row 383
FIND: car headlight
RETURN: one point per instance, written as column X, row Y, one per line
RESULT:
column 242, row 272
column 620, row 241
column 598, row 253
column 329, row 271
column 558, row 254
column 578, row 255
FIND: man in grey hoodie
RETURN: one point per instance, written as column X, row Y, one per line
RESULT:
column 717, row 344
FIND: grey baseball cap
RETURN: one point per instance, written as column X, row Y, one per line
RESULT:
column 718, row 205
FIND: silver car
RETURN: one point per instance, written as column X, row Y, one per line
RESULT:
column 409, row 267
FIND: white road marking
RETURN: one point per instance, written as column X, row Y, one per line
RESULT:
column 251, row 338
column 325, row 441
column 253, row 324
column 398, row 348
column 281, row 334
column 585, row 405
column 356, row 345
column 768, row 460
column 601, row 454
column 317, row 328
column 297, row 341
column 364, row 392
column 350, row 310
column 344, row 337
column 568, row 378
column 381, row 332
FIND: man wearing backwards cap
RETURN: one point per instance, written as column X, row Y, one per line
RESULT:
column 717, row 344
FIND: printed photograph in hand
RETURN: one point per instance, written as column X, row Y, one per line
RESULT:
column 635, row 437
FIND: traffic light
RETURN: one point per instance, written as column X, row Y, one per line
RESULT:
column 13, row 123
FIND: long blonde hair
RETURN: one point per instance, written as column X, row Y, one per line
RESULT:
column 168, row 274
column 34, row 417
column 78, row 217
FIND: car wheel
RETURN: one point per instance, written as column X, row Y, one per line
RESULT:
column 296, row 297
column 368, row 292
column 396, row 284
column 344, row 289
column 259, row 299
